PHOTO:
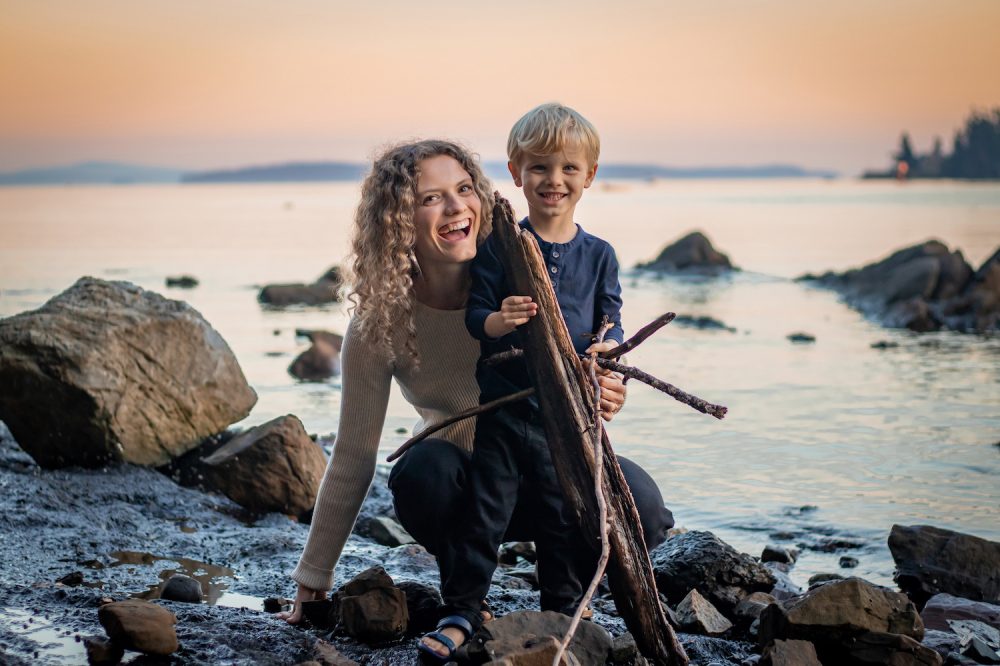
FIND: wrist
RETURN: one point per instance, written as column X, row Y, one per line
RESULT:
column 495, row 327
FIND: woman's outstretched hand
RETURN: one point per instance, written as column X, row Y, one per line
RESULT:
column 304, row 593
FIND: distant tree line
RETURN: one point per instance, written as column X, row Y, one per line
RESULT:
column 975, row 153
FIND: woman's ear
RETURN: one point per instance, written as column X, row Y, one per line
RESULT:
column 515, row 173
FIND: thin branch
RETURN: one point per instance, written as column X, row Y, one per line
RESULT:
column 503, row 357
column 639, row 337
column 693, row 401
column 469, row 413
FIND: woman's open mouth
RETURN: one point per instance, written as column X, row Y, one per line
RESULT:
column 455, row 231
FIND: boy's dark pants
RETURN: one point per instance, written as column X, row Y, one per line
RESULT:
column 510, row 444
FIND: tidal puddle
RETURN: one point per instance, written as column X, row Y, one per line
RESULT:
column 211, row 576
column 60, row 646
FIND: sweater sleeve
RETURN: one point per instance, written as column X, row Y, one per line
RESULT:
column 608, row 299
column 486, row 291
column 367, row 376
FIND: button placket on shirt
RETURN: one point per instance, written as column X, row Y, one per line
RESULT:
column 554, row 267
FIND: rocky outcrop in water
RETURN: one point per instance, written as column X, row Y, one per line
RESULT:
column 693, row 253
column 322, row 360
column 930, row 560
column 108, row 372
column 925, row 287
column 324, row 290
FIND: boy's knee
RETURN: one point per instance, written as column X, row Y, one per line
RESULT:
column 656, row 518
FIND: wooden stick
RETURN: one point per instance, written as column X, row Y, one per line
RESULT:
column 467, row 414
column 693, row 401
column 639, row 337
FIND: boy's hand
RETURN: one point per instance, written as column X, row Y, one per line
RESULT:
column 514, row 311
column 599, row 347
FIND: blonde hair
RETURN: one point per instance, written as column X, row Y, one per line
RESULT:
column 384, row 263
column 548, row 129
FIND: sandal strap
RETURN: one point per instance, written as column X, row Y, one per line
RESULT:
column 458, row 622
column 442, row 639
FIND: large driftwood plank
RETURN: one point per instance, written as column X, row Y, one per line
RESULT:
column 565, row 396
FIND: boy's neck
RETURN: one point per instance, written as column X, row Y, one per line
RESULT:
column 553, row 229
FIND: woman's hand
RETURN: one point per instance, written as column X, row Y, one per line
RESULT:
column 304, row 593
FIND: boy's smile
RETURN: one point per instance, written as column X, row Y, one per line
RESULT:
column 553, row 184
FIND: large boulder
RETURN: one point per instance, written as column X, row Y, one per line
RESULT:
column 108, row 372
column 692, row 253
column 274, row 467
column 701, row 561
column 139, row 625
column 324, row 290
column 943, row 608
column 930, row 560
column 835, row 615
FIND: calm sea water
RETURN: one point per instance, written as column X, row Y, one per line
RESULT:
column 862, row 438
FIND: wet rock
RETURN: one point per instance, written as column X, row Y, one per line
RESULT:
column 321, row 361
column 778, row 554
column 801, row 338
column 102, row 652
column 387, row 532
column 884, row 344
column 784, row 586
column 750, row 608
column 72, row 579
column 182, row 281
column 181, row 588
column 623, row 649
column 327, row 655
column 515, row 631
column 106, row 371
column 272, row 467
column 707, row 650
column 701, row 323
column 276, row 604
column 981, row 653
column 821, row 578
column 941, row 608
column 698, row 616
column 325, row 290
column 833, row 545
column 790, row 653
column 886, row 648
column 848, row 562
column 692, row 253
column 321, row 613
column 541, row 653
column 140, row 625
column 834, row 615
column 702, row 561
column 510, row 552
column 930, row 560
column 423, row 605
column 372, row 609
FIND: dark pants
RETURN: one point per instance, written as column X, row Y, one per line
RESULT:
column 429, row 486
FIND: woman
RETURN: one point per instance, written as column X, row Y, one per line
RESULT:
column 424, row 209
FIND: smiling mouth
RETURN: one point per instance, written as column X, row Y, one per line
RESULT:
column 455, row 231
column 553, row 197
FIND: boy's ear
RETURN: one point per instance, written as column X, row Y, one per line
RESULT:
column 590, row 176
column 515, row 173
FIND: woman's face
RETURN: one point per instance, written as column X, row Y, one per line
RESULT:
column 447, row 214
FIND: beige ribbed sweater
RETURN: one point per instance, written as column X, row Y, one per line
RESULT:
column 444, row 385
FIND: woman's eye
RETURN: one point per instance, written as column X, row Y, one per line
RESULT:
column 430, row 198
column 466, row 188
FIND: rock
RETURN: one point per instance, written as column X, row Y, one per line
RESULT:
column 372, row 609
column 778, row 554
column 140, row 625
column 387, row 532
column 182, row 281
column 980, row 652
column 801, row 338
column 107, row 372
column 750, row 608
column 834, row 615
column 820, row 578
column 941, row 608
column 321, row 613
column 327, row 655
column 692, row 253
column 701, row 323
column 790, row 653
column 784, row 586
column 321, row 361
column 273, row 467
column 893, row 649
column 697, row 616
column 542, row 653
column 276, row 604
column 72, row 579
column 884, row 344
column 325, row 290
column 181, row 588
column 623, row 649
column 101, row 651
column 515, row 631
column 702, row 561
column 510, row 552
column 423, row 605
column 848, row 562
column 930, row 560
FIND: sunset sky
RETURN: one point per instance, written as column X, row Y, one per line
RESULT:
column 216, row 83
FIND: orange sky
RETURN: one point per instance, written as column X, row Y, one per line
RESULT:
column 197, row 84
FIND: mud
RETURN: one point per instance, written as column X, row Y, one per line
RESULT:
column 126, row 529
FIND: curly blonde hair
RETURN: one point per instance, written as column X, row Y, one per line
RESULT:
column 384, row 264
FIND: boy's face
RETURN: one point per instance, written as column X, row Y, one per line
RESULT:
column 553, row 184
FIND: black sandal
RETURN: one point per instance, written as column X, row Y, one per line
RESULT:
column 432, row 656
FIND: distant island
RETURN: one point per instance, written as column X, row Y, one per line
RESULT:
column 975, row 154
column 116, row 173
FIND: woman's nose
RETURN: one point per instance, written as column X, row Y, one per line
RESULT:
column 454, row 204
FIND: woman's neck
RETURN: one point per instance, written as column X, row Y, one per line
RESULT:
column 443, row 287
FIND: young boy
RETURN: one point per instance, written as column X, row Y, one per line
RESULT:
column 553, row 153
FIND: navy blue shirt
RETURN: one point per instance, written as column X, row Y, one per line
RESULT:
column 584, row 276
